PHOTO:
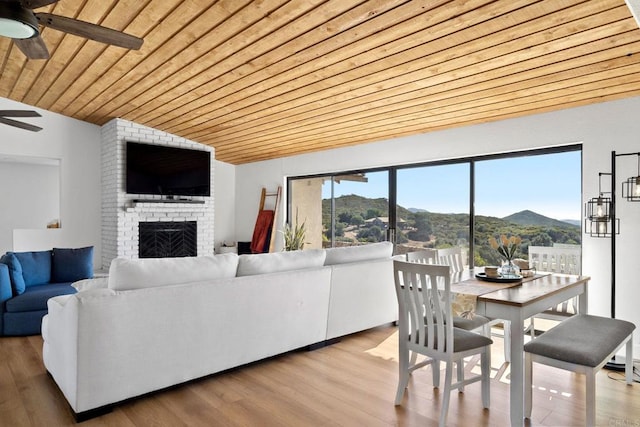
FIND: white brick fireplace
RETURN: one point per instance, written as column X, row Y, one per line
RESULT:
column 121, row 214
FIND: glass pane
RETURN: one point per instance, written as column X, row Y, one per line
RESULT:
column 355, row 208
column 433, row 208
column 537, row 198
column 306, row 208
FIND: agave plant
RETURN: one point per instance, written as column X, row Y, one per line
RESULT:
column 294, row 236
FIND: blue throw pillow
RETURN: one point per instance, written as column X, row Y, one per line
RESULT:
column 70, row 265
column 15, row 273
column 36, row 267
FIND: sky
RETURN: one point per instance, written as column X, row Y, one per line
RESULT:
column 548, row 184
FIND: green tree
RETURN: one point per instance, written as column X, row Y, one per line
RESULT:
column 372, row 213
column 371, row 234
column 357, row 220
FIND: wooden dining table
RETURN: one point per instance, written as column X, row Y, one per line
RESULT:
column 516, row 302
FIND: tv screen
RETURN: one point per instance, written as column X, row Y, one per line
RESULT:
column 167, row 171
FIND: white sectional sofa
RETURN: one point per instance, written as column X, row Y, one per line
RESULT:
column 160, row 322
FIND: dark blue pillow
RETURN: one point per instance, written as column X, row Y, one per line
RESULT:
column 15, row 273
column 70, row 265
column 36, row 267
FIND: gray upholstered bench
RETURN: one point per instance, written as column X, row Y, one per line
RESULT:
column 581, row 344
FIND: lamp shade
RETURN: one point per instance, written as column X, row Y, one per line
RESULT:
column 598, row 217
column 631, row 189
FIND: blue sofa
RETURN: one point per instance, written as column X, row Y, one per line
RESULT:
column 29, row 279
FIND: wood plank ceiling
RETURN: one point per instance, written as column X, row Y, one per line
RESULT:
column 264, row 79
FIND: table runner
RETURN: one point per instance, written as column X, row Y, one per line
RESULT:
column 465, row 293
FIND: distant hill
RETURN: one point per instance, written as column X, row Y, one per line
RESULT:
column 528, row 217
column 355, row 204
column 575, row 222
column 429, row 229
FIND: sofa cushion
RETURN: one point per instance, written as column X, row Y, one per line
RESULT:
column 36, row 267
column 358, row 253
column 35, row 297
column 15, row 273
column 70, row 265
column 126, row 274
column 6, row 291
column 249, row 265
column 87, row 284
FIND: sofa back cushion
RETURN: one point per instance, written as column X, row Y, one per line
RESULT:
column 36, row 267
column 6, row 290
column 70, row 265
column 126, row 274
column 14, row 270
column 249, row 265
column 359, row 253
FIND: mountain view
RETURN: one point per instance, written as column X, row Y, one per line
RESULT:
column 360, row 219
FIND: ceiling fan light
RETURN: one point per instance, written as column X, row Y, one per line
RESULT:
column 16, row 29
column 17, row 22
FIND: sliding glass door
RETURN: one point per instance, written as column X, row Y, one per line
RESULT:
column 535, row 195
column 346, row 209
column 433, row 207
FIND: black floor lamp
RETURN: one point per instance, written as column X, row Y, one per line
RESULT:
column 601, row 221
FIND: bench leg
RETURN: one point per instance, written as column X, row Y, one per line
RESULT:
column 591, row 397
column 628, row 369
column 528, row 384
column 485, row 361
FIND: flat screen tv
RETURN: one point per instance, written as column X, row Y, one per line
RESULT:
column 167, row 171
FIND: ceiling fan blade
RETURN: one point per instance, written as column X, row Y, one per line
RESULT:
column 19, row 113
column 21, row 125
column 90, row 31
column 34, row 4
column 33, row 48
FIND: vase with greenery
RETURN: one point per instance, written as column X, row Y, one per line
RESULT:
column 294, row 236
column 507, row 247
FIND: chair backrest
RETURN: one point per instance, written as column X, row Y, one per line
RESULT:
column 424, row 301
column 556, row 259
column 423, row 256
column 451, row 257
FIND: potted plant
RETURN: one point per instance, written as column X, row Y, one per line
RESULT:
column 294, row 236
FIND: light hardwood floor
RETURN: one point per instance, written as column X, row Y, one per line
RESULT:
column 350, row 383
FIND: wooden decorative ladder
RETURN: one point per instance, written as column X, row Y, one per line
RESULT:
column 272, row 227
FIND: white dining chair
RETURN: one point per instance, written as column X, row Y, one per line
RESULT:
column 424, row 256
column 426, row 327
column 564, row 259
column 453, row 257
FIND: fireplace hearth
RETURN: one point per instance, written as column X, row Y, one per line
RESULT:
column 167, row 239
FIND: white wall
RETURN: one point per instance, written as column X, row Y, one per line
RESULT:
column 601, row 128
column 39, row 180
column 225, row 200
column 77, row 145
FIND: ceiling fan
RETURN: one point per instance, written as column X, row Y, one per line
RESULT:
column 19, row 113
column 19, row 22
